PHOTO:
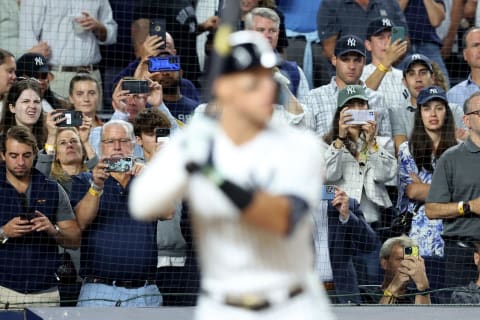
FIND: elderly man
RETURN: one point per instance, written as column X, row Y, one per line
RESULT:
column 112, row 240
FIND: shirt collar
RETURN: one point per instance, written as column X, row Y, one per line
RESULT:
column 472, row 147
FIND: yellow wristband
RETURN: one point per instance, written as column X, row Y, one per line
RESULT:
column 94, row 192
column 49, row 148
column 461, row 212
column 388, row 293
column 382, row 68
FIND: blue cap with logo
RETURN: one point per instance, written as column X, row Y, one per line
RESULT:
column 378, row 25
column 417, row 58
column 349, row 43
column 427, row 94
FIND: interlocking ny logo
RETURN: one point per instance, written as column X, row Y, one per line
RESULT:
column 386, row 22
column 351, row 42
column 416, row 57
column 351, row 90
column 38, row 61
column 433, row 91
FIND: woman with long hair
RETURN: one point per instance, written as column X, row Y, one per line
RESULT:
column 434, row 132
column 361, row 167
column 7, row 73
column 23, row 107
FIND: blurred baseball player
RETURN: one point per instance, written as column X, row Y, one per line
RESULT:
column 252, row 187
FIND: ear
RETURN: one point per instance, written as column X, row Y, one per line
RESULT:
column 3, row 156
column 476, row 258
column 466, row 121
column 404, row 82
column 334, row 60
column 139, row 141
column 368, row 45
column 383, row 263
column 11, row 107
column 70, row 99
column 464, row 55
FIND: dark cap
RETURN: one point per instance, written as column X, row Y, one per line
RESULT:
column 351, row 92
column 31, row 64
column 379, row 25
column 429, row 93
column 349, row 43
column 417, row 58
column 244, row 50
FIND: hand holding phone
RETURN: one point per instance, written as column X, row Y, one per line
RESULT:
column 167, row 63
column 162, row 134
column 398, row 33
column 135, row 86
column 158, row 28
column 361, row 116
column 73, row 118
column 328, row 192
column 119, row 164
column 411, row 251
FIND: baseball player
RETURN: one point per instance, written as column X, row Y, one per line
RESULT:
column 252, row 187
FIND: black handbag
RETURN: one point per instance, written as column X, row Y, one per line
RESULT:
column 402, row 223
column 66, row 272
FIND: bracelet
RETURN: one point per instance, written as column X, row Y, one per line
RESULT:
column 388, row 293
column 382, row 68
column 49, row 148
column 461, row 212
column 424, row 292
column 94, row 192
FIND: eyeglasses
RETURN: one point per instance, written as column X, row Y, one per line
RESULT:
column 111, row 142
column 476, row 112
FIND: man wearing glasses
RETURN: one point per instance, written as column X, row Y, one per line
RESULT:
column 119, row 254
column 454, row 196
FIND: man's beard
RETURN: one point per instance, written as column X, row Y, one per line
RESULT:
column 171, row 89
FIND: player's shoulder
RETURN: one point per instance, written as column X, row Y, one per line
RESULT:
column 295, row 139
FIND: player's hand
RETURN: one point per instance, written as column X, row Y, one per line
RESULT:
column 17, row 227
column 345, row 117
column 99, row 174
column 42, row 223
column 394, row 52
column 120, row 98
column 370, row 130
column 155, row 97
column 340, row 202
column 415, row 268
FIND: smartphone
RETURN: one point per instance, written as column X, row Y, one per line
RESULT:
column 157, row 28
column 73, row 118
column 119, row 164
column 136, row 86
column 27, row 216
column 361, row 116
column 398, row 33
column 411, row 251
column 162, row 134
column 328, row 192
column 167, row 63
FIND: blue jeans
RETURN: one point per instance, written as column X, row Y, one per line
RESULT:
column 102, row 295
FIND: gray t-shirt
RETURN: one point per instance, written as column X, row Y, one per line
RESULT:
column 457, row 178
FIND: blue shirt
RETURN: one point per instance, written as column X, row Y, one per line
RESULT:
column 300, row 15
column 182, row 109
column 114, row 245
column 459, row 93
column 420, row 28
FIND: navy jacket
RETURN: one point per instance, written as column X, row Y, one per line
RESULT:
column 345, row 241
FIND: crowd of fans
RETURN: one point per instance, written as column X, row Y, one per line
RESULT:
column 414, row 155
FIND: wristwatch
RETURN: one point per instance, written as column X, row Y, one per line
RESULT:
column 3, row 236
column 463, row 208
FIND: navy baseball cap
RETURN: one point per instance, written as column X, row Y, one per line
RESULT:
column 378, row 25
column 31, row 64
column 244, row 50
column 417, row 58
column 429, row 93
column 349, row 43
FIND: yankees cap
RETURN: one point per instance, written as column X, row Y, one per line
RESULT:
column 378, row 25
column 417, row 58
column 349, row 43
column 31, row 64
column 244, row 50
column 351, row 92
column 429, row 93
